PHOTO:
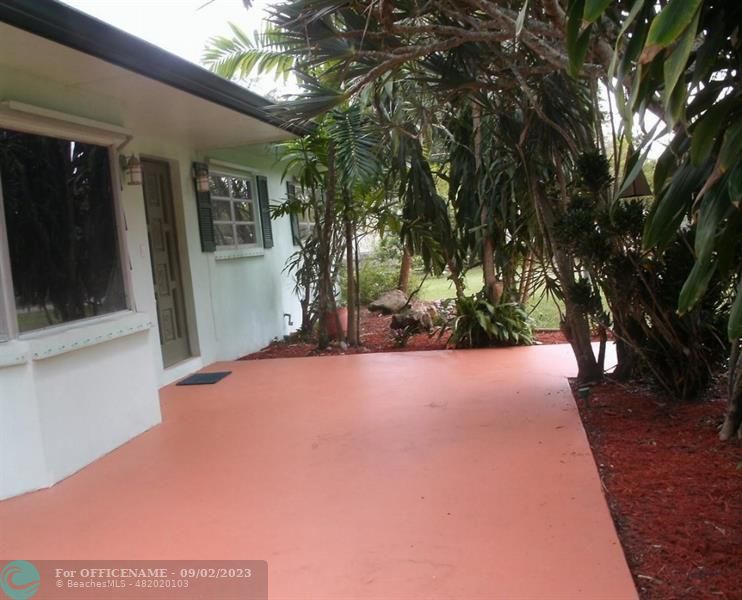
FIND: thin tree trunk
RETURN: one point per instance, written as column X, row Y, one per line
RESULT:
column 357, row 298
column 626, row 332
column 404, row 271
column 603, row 336
column 524, row 293
column 352, row 334
column 455, row 276
column 326, row 295
column 491, row 285
column 578, row 333
column 488, row 244
column 588, row 368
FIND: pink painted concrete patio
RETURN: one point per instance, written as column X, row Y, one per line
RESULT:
column 431, row 475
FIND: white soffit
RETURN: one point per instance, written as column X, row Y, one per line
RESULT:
column 113, row 94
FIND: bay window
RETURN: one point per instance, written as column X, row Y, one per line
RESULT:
column 60, row 235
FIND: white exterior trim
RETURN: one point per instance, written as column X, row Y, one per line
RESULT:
column 7, row 301
column 8, row 314
column 73, row 336
column 14, row 353
column 240, row 252
column 42, row 121
column 90, row 333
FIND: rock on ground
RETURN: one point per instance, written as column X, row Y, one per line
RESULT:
column 389, row 303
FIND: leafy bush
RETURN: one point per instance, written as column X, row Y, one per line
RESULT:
column 389, row 250
column 376, row 277
column 480, row 323
column 641, row 290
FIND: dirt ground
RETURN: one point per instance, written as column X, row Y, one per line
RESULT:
column 675, row 491
column 376, row 337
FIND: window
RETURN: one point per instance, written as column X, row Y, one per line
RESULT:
column 235, row 211
column 62, row 237
column 303, row 222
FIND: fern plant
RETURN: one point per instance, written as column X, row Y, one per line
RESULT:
column 480, row 323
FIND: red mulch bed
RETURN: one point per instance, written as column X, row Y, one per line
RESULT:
column 375, row 337
column 675, row 491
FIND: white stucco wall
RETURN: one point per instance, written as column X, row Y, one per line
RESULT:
column 249, row 296
column 61, row 411
column 22, row 458
column 236, row 304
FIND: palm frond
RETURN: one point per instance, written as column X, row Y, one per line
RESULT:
column 241, row 56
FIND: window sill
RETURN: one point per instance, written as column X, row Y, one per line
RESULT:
column 226, row 254
column 75, row 336
column 13, row 353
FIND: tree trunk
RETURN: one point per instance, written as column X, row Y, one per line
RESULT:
column 357, row 298
column 524, row 289
column 733, row 419
column 492, row 287
column 306, row 313
column 588, row 368
column 455, row 276
column 325, row 293
column 603, row 337
column 626, row 332
column 404, row 271
column 350, row 267
column 624, row 361
column 488, row 245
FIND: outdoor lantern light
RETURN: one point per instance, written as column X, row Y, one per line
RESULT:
column 201, row 175
column 132, row 169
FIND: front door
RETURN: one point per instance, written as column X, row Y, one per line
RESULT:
column 163, row 249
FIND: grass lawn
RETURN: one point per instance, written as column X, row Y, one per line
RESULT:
column 545, row 314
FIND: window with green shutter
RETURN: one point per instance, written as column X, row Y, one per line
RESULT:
column 294, row 218
column 265, row 211
column 235, row 211
column 302, row 223
column 204, row 212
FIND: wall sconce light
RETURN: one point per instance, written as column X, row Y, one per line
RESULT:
column 132, row 169
column 201, row 175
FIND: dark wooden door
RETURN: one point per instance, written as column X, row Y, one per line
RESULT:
column 163, row 249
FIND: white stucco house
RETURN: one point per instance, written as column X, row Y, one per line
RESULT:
column 119, row 272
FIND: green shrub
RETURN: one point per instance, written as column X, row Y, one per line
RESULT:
column 480, row 323
column 375, row 278
column 388, row 250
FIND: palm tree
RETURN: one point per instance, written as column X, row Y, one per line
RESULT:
column 491, row 219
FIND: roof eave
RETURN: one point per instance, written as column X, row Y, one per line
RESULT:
column 72, row 28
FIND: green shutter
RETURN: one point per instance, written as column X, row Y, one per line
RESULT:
column 291, row 193
column 265, row 212
column 205, row 217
